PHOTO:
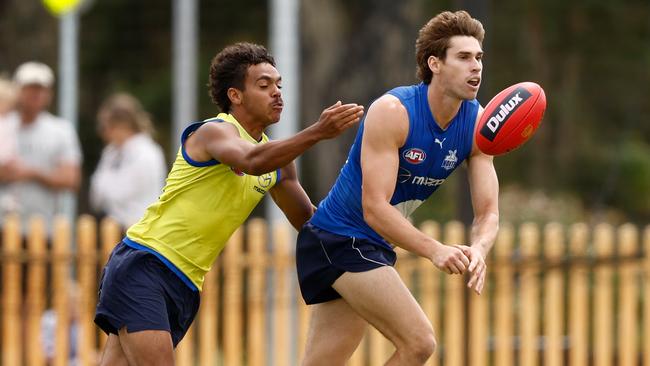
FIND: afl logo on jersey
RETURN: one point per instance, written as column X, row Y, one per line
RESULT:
column 414, row 155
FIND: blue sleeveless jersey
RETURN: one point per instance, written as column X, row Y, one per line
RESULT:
column 427, row 158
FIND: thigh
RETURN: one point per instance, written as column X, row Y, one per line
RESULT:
column 147, row 347
column 381, row 298
column 335, row 331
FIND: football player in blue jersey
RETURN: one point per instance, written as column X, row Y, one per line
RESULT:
column 412, row 138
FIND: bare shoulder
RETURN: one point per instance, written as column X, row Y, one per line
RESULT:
column 388, row 106
column 212, row 130
column 200, row 144
column 388, row 115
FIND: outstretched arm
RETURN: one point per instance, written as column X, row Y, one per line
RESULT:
column 221, row 141
column 385, row 130
column 291, row 198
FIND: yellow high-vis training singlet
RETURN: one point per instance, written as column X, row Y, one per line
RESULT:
column 202, row 204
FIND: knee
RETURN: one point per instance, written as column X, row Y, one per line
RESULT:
column 420, row 347
column 424, row 346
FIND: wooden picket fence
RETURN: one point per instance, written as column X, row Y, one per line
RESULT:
column 555, row 295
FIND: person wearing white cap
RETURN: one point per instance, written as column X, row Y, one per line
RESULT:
column 48, row 156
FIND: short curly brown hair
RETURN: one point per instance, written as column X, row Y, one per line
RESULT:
column 228, row 70
column 433, row 39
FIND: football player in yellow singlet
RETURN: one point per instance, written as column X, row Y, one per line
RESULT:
column 149, row 292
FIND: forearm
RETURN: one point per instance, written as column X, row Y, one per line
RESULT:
column 299, row 216
column 484, row 232
column 264, row 158
column 388, row 222
column 294, row 202
column 55, row 180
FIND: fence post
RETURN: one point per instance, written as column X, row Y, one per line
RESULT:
column 578, row 321
column 60, row 288
column 478, row 327
column 256, row 345
column 87, row 275
column 11, row 297
column 110, row 233
column 282, row 304
column 36, row 280
column 503, row 296
column 627, row 306
column 430, row 290
column 529, row 292
column 185, row 350
column 303, row 325
column 208, row 318
column 232, row 315
column 358, row 358
column 378, row 345
column 553, row 297
column 478, row 323
column 454, row 342
column 646, row 297
column 603, row 297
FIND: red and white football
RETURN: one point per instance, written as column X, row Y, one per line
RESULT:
column 510, row 118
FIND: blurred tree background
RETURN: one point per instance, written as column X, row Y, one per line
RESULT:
column 590, row 159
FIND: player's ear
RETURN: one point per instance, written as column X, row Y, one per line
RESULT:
column 235, row 96
column 434, row 64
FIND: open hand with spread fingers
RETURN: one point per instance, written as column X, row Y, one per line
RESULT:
column 337, row 118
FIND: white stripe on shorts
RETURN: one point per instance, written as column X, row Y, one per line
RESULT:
column 361, row 254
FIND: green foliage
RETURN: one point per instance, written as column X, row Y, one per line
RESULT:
column 616, row 179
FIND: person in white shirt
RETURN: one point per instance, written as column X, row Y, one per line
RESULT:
column 132, row 168
column 47, row 158
column 7, row 137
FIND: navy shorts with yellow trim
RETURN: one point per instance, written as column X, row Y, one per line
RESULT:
column 322, row 257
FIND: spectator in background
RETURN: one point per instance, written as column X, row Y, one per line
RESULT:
column 7, row 136
column 49, row 325
column 132, row 168
column 48, row 157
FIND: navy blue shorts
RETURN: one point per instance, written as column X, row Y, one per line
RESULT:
column 322, row 257
column 139, row 292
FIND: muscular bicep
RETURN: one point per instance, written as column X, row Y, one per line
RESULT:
column 385, row 130
column 218, row 141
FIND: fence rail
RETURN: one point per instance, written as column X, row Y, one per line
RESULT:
column 555, row 295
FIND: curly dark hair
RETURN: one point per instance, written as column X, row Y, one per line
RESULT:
column 433, row 39
column 228, row 70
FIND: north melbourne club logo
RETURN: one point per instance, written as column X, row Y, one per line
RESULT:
column 414, row 155
column 450, row 160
